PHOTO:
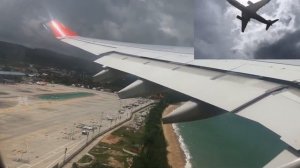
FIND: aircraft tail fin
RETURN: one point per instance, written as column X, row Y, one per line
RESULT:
column 271, row 22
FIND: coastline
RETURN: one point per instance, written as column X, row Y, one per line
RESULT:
column 176, row 155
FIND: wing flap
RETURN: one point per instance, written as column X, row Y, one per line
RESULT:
column 280, row 113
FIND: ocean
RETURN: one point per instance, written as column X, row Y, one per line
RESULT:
column 227, row 141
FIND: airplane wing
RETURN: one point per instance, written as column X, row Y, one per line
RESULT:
column 256, row 6
column 265, row 92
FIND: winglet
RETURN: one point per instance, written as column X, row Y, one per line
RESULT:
column 59, row 30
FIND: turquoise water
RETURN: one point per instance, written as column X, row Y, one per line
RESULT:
column 229, row 141
column 64, row 96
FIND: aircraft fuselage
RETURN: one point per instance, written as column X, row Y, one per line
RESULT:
column 247, row 12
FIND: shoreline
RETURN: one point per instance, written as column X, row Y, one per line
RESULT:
column 176, row 155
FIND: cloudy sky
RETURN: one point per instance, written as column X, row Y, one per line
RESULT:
column 162, row 22
column 218, row 32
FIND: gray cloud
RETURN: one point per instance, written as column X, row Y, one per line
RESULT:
column 287, row 47
column 211, row 27
column 163, row 22
column 218, row 35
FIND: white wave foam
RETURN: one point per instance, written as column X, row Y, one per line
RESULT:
column 183, row 146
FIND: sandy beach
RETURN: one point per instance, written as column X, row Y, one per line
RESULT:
column 176, row 157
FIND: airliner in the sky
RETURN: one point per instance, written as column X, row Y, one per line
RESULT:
column 249, row 12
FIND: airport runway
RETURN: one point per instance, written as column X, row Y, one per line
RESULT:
column 35, row 132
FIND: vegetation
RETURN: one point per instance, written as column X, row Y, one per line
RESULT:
column 107, row 154
column 154, row 153
column 148, row 142
column 85, row 159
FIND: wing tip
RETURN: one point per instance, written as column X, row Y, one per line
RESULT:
column 59, row 30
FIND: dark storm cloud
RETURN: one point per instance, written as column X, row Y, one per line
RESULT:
column 288, row 48
column 165, row 22
column 218, row 34
column 156, row 21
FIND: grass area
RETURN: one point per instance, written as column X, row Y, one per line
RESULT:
column 129, row 140
column 85, row 159
column 129, row 137
column 64, row 96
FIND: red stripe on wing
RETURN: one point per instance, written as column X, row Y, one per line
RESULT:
column 59, row 30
